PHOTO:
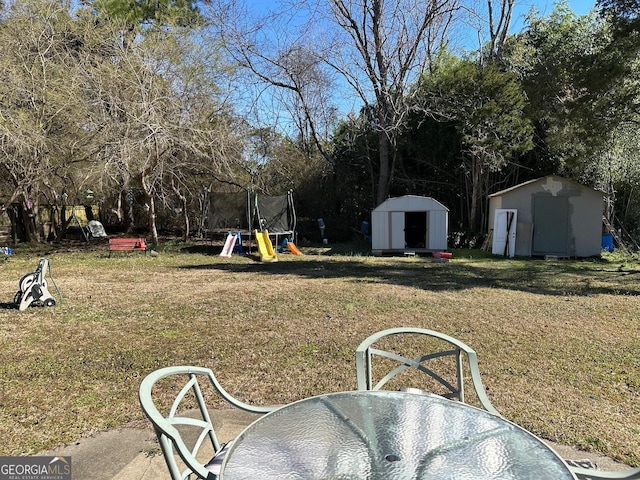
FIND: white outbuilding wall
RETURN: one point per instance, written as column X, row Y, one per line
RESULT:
column 409, row 224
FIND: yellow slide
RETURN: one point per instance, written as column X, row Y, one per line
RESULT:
column 265, row 247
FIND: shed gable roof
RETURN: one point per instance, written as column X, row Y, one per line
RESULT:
column 410, row 203
column 556, row 178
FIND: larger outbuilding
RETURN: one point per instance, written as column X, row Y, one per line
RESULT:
column 409, row 224
column 549, row 216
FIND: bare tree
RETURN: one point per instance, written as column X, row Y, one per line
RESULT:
column 141, row 118
column 166, row 121
column 290, row 82
column 81, row 107
column 387, row 46
column 375, row 49
column 499, row 23
column 43, row 115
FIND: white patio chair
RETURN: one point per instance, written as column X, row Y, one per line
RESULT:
column 428, row 360
column 171, row 428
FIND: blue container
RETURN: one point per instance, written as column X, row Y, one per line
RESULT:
column 607, row 242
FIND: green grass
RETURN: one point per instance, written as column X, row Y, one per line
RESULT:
column 557, row 341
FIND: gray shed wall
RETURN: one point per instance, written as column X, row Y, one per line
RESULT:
column 580, row 234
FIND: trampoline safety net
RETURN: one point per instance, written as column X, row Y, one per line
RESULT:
column 228, row 211
column 242, row 212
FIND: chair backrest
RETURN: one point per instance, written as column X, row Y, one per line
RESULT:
column 171, row 427
column 428, row 359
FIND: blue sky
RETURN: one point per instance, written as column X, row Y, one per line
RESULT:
column 468, row 38
column 581, row 7
column 545, row 7
column 521, row 8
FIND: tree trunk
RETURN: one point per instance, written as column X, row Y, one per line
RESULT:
column 30, row 220
column 127, row 210
column 384, row 174
column 56, row 217
column 185, row 215
column 12, row 212
column 152, row 219
column 476, row 172
column 184, row 204
column 115, row 211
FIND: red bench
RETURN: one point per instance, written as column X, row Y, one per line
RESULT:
column 127, row 244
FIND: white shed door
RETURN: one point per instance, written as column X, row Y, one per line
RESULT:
column 504, row 232
column 438, row 230
column 397, row 230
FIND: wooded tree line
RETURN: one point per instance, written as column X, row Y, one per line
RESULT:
column 152, row 105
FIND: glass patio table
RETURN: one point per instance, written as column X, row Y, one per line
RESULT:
column 380, row 435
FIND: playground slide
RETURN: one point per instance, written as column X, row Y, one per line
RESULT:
column 293, row 249
column 265, row 247
column 229, row 243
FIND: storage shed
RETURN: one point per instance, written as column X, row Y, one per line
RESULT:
column 409, row 224
column 549, row 216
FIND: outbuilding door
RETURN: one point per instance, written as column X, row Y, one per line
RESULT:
column 415, row 229
column 551, row 225
column 409, row 230
column 504, row 232
column 397, row 231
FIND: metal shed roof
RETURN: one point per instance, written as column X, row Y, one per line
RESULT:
column 555, row 177
column 410, row 203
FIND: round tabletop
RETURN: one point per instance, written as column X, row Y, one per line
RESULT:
column 388, row 435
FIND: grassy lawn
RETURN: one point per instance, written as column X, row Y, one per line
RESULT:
column 557, row 341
